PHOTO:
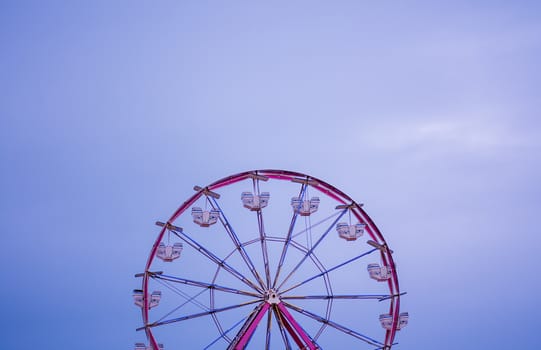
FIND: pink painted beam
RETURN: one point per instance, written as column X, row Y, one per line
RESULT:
column 296, row 326
column 245, row 338
column 294, row 334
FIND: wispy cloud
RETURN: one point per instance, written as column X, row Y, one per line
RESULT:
column 478, row 133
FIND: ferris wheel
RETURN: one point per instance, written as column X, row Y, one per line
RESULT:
column 269, row 259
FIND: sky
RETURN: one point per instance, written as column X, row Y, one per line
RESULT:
column 427, row 112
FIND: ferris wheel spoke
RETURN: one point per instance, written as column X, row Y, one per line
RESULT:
column 248, row 328
column 238, row 245
column 205, row 285
column 268, row 333
column 301, row 338
column 316, row 224
column 329, row 270
column 200, row 314
column 335, row 325
column 281, row 326
column 292, row 333
column 311, row 250
column 169, row 285
column 261, row 228
column 223, row 334
column 189, row 299
column 289, row 236
column 264, row 248
column 378, row 297
column 212, row 257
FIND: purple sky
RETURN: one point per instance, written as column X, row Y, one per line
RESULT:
column 425, row 111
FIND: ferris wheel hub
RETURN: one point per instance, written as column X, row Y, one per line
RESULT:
column 272, row 297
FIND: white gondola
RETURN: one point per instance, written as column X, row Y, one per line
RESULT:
column 256, row 202
column 350, row 232
column 155, row 298
column 296, row 203
column 205, row 218
column 142, row 346
column 379, row 273
column 169, row 253
column 306, row 207
column 386, row 321
column 403, row 319
column 139, row 299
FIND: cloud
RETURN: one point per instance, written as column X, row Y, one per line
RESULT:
column 483, row 133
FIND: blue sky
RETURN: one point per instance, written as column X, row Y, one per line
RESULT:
column 425, row 111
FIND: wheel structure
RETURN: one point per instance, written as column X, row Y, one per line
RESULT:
column 269, row 259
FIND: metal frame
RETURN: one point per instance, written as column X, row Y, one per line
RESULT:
column 258, row 287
